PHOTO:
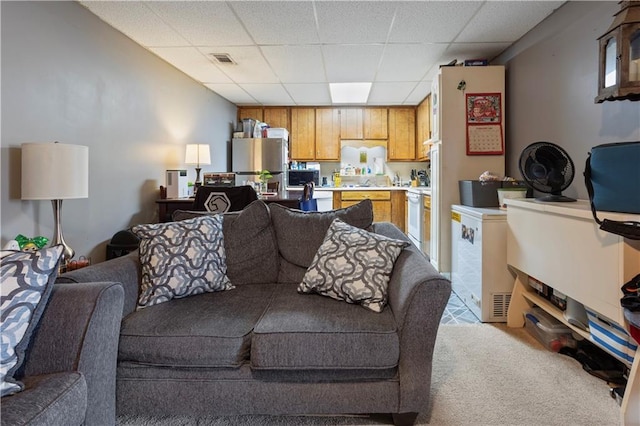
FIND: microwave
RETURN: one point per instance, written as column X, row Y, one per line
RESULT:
column 300, row 177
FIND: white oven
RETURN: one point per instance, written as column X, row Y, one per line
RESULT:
column 415, row 212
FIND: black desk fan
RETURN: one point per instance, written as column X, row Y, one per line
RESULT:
column 547, row 168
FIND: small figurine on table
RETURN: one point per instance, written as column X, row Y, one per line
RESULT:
column 31, row 244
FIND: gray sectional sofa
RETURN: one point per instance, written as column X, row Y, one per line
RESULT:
column 264, row 348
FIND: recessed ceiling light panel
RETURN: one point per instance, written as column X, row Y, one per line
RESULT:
column 349, row 93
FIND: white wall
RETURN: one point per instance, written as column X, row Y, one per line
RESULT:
column 69, row 77
column 552, row 79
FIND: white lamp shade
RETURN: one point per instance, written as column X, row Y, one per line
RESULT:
column 54, row 171
column 197, row 154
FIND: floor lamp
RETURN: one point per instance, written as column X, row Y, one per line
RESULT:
column 199, row 155
column 56, row 172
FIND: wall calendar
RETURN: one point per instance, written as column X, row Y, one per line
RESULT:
column 484, row 124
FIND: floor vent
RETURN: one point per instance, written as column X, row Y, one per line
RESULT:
column 222, row 58
column 500, row 304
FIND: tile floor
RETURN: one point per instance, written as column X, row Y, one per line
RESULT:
column 457, row 312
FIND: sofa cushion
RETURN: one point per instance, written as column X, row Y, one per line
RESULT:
column 181, row 259
column 311, row 332
column 299, row 234
column 48, row 399
column 353, row 265
column 207, row 330
column 249, row 242
column 27, row 279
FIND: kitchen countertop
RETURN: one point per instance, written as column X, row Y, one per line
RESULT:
column 362, row 188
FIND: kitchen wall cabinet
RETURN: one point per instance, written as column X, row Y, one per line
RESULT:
column 302, row 135
column 402, row 134
column 375, row 123
column 351, row 123
column 423, row 128
column 277, row 117
column 327, row 138
column 250, row 112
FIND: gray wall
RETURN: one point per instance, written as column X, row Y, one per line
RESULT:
column 69, row 77
column 552, row 79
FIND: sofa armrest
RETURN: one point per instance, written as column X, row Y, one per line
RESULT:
column 79, row 331
column 418, row 295
column 125, row 270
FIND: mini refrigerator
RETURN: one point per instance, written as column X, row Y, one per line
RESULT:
column 479, row 273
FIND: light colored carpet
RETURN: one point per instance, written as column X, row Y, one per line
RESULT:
column 483, row 374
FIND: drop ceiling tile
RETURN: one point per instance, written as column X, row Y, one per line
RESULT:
column 268, row 94
column 352, row 63
column 192, row 62
column 354, row 21
column 233, row 93
column 516, row 18
column 309, row 94
column 137, row 21
column 431, row 22
column 203, row 23
column 278, row 22
column 390, row 93
column 408, row 62
column 420, row 92
column 250, row 66
column 296, row 64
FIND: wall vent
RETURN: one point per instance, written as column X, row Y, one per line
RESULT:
column 222, row 58
column 500, row 304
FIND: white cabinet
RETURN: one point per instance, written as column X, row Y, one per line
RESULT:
column 560, row 245
column 479, row 273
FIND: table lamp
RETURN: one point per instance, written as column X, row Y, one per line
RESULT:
column 56, row 172
column 197, row 154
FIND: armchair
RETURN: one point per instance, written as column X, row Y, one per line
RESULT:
column 70, row 368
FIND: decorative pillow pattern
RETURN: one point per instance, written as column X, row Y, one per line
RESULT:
column 353, row 265
column 181, row 259
column 27, row 279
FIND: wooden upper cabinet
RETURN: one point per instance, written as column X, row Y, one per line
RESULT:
column 375, row 123
column 327, row 134
column 302, row 134
column 402, row 134
column 423, row 128
column 351, row 122
column 277, row 117
column 250, row 112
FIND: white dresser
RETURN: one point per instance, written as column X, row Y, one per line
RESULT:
column 560, row 245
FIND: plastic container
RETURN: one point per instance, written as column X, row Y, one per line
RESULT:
column 513, row 192
column 553, row 334
column 474, row 193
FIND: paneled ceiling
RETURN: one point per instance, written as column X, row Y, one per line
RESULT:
column 287, row 52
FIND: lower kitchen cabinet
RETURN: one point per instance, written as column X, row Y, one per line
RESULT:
column 388, row 206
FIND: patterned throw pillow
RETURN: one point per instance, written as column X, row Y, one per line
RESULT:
column 353, row 265
column 181, row 259
column 27, row 279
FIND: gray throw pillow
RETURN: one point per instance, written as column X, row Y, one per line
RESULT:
column 181, row 259
column 300, row 234
column 353, row 265
column 27, row 279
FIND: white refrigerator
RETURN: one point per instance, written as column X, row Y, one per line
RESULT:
column 479, row 273
column 453, row 137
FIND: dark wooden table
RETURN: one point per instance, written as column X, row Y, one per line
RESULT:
column 167, row 206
